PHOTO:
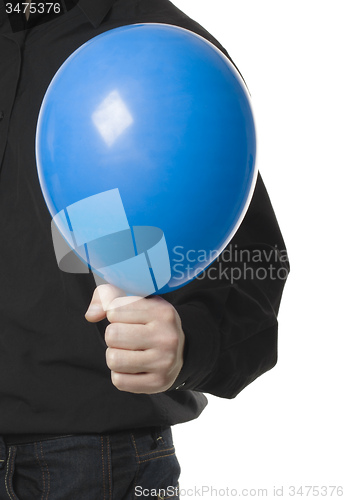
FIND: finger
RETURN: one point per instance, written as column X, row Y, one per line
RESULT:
column 141, row 311
column 129, row 316
column 146, row 303
column 126, row 361
column 127, row 336
column 129, row 310
column 144, row 383
column 102, row 297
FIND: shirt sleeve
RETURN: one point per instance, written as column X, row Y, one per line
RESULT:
column 229, row 313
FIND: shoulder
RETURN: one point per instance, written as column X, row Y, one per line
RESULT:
column 161, row 11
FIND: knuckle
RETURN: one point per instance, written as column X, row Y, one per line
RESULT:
column 113, row 358
column 167, row 366
column 117, row 381
column 111, row 316
column 168, row 313
column 170, row 362
column 169, row 341
column 165, row 311
column 111, row 334
column 103, row 288
column 174, row 341
column 109, row 357
column 161, row 382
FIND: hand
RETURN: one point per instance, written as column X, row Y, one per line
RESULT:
column 145, row 340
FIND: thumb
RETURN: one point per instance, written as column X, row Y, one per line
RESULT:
column 102, row 297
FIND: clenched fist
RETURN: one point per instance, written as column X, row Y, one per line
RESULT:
column 145, row 340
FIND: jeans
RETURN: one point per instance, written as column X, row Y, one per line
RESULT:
column 120, row 466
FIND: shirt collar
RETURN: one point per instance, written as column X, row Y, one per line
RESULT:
column 95, row 10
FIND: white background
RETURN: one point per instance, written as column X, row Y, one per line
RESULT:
column 287, row 428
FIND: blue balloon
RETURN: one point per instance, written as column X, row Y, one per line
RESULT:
column 145, row 151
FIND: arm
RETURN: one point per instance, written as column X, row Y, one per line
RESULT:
column 229, row 317
column 214, row 335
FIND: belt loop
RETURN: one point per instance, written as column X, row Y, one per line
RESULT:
column 3, row 454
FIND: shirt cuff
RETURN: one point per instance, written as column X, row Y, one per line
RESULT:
column 201, row 347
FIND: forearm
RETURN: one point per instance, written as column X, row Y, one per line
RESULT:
column 229, row 315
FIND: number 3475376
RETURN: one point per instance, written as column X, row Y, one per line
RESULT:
column 33, row 8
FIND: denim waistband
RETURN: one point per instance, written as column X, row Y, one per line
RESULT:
column 17, row 439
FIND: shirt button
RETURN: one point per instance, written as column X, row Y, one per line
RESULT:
column 2, row 115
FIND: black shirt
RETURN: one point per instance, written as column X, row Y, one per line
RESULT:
column 53, row 374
